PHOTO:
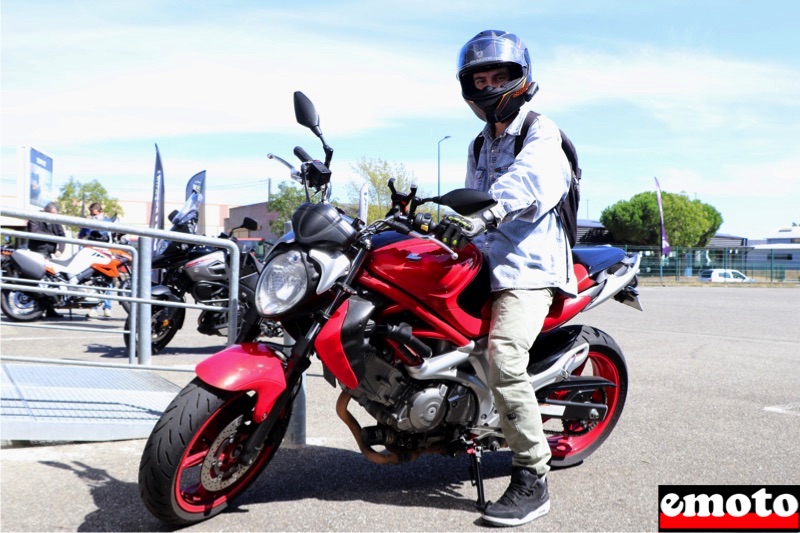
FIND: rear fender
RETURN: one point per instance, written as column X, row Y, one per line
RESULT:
column 249, row 366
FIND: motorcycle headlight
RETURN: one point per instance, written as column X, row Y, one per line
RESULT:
column 283, row 283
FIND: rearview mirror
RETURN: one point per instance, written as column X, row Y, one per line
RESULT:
column 249, row 224
column 466, row 201
column 306, row 113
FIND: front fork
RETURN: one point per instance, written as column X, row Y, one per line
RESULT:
column 299, row 361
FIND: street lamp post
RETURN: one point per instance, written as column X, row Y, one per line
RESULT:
column 439, row 175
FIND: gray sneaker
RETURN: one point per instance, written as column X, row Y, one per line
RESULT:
column 525, row 499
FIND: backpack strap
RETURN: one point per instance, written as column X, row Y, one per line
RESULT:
column 476, row 148
column 518, row 142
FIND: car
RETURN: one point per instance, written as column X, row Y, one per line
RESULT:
column 723, row 275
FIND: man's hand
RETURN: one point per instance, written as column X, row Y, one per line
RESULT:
column 457, row 231
column 57, row 254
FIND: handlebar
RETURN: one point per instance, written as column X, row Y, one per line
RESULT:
column 301, row 154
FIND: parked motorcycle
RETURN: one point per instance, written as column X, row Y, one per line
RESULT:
column 203, row 272
column 93, row 269
column 400, row 321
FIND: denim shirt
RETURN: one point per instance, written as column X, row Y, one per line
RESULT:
column 528, row 249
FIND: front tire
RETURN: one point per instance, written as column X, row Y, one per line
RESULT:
column 189, row 470
column 572, row 441
column 164, row 324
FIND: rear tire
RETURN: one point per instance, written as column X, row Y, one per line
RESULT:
column 576, row 440
column 21, row 306
column 189, row 470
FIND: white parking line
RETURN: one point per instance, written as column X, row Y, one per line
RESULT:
column 6, row 338
column 788, row 409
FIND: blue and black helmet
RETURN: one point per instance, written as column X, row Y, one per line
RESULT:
column 488, row 50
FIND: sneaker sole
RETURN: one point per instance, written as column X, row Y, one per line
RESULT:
column 510, row 522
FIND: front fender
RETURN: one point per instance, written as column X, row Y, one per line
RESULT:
column 249, row 366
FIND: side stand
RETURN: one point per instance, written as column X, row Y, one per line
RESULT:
column 475, row 453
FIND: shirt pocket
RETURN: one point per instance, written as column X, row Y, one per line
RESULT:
column 479, row 179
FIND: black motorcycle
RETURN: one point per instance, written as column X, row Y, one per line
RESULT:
column 202, row 271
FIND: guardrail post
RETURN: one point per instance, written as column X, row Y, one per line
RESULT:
column 144, row 314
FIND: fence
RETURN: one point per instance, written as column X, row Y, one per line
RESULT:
column 685, row 264
column 139, row 296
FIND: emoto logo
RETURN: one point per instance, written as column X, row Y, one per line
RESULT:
column 728, row 508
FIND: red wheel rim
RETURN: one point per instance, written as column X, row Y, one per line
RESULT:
column 563, row 445
column 190, row 493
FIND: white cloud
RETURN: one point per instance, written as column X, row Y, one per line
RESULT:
column 686, row 89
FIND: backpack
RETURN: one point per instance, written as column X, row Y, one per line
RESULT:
column 567, row 208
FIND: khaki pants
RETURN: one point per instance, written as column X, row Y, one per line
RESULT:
column 517, row 319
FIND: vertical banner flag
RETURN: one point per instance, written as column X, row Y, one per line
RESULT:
column 665, row 248
column 363, row 202
column 157, row 207
column 197, row 183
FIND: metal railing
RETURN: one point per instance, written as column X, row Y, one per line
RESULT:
column 140, row 294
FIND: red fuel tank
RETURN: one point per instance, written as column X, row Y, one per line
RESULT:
column 429, row 274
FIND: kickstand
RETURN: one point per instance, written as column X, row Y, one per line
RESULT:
column 475, row 453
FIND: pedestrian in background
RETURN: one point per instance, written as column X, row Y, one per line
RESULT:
column 96, row 213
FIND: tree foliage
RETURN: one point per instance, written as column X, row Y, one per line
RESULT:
column 75, row 195
column 377, row 173
column 284, row 202
column 636, row 221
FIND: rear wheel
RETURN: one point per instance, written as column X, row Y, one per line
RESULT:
column 572, row 441
column 190, row 468
column 21, row 306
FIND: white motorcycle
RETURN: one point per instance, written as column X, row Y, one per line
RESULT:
column 93, row 268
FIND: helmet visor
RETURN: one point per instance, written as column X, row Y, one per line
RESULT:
column 490, row 49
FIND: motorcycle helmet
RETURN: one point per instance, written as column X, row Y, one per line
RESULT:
column 488, row 50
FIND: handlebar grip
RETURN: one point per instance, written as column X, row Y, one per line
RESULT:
column 302, row 155
column 398, row 226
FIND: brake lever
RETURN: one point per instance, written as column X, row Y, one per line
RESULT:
column 295, row 174
column 453, row 254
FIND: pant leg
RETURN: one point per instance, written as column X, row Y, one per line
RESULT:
column 517, row 319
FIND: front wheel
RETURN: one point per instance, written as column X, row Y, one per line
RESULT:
column 572, row 441
column 190, row 470
column 164, row 324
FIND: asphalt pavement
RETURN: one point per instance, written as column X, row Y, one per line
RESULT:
column 714, row 399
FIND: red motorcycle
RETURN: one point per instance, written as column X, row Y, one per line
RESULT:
column 400, row 321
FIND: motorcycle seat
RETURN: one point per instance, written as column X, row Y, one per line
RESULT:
column 62, row 262
column 598, row 258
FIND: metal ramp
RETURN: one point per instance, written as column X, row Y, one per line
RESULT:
column 67, row 403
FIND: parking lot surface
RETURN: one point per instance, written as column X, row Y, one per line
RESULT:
column 714, row 399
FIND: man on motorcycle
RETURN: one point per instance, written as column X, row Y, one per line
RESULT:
column 47, row 248
column 525, row 246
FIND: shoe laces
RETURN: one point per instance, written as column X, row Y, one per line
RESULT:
column 517, row 492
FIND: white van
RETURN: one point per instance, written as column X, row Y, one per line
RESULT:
column 723, row 275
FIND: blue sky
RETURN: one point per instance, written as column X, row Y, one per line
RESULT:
column 704, row 95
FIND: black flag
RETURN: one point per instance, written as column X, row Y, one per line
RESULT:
column 157, row 207
column 197, row 183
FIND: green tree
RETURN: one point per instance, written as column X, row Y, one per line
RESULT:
column 75, row 195
column 284, row 202
column 637, row 221
column 377, row 173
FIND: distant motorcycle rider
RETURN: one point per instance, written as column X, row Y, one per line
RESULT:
column 525, row 247
column 47, row 248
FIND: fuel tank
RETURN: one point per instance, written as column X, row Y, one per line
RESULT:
column 429, row 274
